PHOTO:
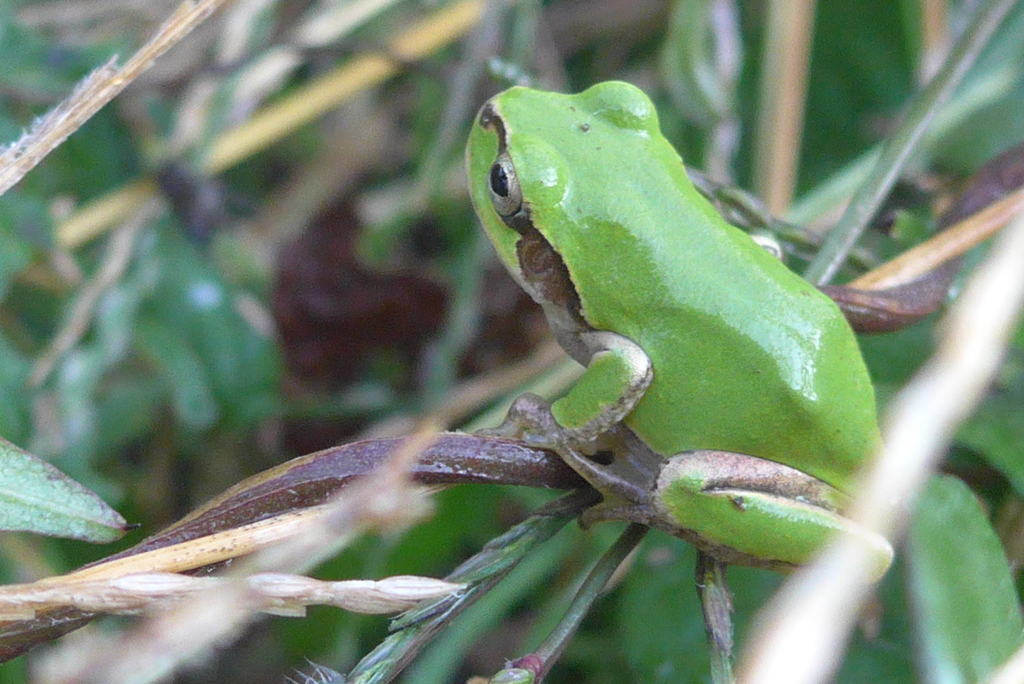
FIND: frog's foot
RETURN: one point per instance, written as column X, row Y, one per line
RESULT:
column 616, row 462
column 529, row 420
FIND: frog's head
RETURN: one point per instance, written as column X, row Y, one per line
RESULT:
column 528, row 153
column 517, row 180
column 513, row 172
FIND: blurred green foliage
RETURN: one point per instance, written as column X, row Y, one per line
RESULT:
column 180, row 384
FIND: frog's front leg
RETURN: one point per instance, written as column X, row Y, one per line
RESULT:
column 618, row 373
column 586, row 421
column 619, row 464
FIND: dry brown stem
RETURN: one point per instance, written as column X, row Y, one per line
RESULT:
column 95, row 91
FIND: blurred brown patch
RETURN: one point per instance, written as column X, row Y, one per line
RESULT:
column 337, row 319
column 341, row 322
column 511, row 324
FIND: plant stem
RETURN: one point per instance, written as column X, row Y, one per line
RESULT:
column 417, row 627
column 898, row 147
column 716, row 605
column 588, row 593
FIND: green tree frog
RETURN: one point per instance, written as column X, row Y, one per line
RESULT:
column 729, row 393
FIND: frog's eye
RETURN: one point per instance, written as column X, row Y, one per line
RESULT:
column 506, row 195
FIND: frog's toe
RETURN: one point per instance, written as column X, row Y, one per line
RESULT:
column 529, row 420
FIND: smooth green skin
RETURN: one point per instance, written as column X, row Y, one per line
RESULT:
column 747, row 357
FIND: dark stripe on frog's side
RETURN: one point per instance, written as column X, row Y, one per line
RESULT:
column 543, row 268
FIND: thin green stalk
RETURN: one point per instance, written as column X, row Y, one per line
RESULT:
column 716, row 605
column 417, row 627
column 588, row 593
column 898, row 148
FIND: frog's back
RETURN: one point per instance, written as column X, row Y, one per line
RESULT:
column 747, row 356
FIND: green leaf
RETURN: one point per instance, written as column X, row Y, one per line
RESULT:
column 860, row 72
column 661, row 628
column 36, row 497
column 662, row 631
column 192, row 305
column 15, row 409
column 997, row 431
column 191, row 395
column 17, row 216
column 998, row 124
column 966, row 611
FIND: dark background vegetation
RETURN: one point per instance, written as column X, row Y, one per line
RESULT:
column 336, row 285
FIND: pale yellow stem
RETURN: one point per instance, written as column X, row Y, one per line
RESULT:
column 787, row 49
